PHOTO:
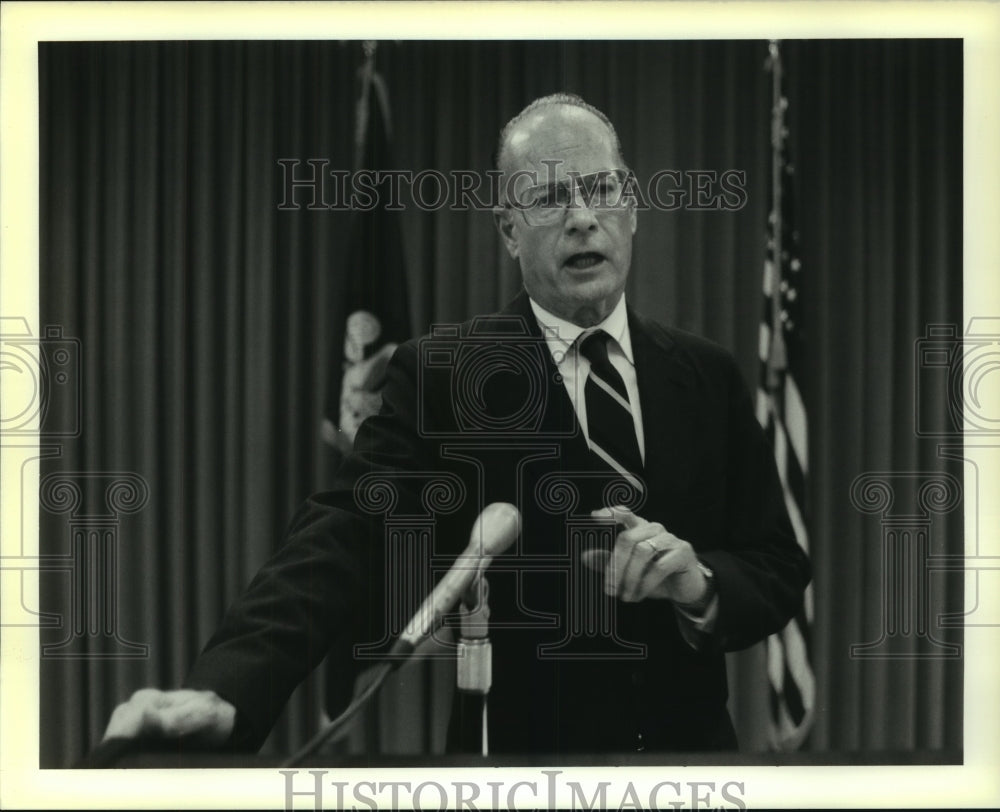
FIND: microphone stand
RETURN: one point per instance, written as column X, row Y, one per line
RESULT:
column 493, row 532
column 474, row 668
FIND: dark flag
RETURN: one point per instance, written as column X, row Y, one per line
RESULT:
column 373, row 301
column 371, row 283
column 782, row 413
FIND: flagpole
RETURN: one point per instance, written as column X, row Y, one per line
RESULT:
column 367, row 75
column 777, row 358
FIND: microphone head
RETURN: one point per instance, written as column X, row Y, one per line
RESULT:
column 495, row 529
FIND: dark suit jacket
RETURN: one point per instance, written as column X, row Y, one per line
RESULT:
column 476, row 414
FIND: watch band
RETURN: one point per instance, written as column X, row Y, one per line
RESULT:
column 700, row 605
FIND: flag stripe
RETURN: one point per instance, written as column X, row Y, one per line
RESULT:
column 797, row 662
column 795, row 422
column 794, row 479
column 789, row 468
column 791, row 696
column 763, row 410
column 774, row 662
column 798, row 523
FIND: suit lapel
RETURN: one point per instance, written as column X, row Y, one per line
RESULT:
column 667, row 412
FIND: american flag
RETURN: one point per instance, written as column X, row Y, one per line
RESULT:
column 782, row 413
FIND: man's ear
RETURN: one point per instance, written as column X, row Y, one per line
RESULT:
column 504, row 218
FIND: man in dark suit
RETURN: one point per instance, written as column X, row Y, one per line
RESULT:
column 654, row 534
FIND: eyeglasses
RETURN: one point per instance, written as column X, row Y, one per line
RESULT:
column 546, row 203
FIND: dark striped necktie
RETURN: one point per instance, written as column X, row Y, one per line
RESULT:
column 610, row 426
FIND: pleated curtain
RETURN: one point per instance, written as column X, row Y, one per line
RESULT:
column 205, row 313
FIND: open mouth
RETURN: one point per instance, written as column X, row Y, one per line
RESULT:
column 585, row 260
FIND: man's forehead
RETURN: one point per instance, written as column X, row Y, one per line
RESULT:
column 559, row 136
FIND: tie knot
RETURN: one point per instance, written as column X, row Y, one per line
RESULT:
column 594, row 347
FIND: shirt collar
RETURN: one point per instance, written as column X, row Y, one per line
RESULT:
column 561, row 334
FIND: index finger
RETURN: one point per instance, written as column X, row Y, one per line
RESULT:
column 619, row 514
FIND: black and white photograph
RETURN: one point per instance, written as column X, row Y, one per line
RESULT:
column 597, row 418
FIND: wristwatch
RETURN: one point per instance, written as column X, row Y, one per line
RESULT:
column 700, row 605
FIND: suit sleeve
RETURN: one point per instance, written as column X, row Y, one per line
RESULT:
column 325, row 578
column 761, row 571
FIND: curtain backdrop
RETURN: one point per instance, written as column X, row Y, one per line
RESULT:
column 204, row 313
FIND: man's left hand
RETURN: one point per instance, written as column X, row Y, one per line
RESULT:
column 648, row 561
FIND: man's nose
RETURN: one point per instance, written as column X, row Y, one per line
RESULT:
column 579, row 214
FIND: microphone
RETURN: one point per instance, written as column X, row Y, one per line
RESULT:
column 493, row 532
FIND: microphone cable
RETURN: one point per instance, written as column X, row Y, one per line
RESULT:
column 337, row 728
